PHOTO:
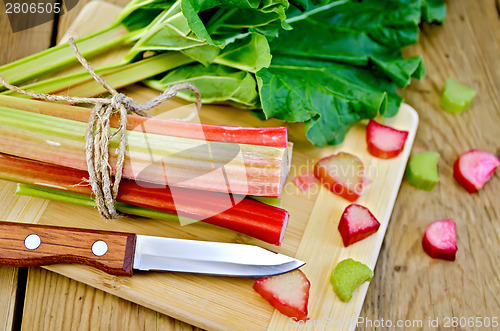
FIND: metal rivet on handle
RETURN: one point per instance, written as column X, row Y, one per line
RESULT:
column 99, row 248
column 32, row 241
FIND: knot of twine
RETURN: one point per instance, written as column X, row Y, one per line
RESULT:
column 97, row 138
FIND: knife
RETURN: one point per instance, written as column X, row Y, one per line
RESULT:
column 119, row 253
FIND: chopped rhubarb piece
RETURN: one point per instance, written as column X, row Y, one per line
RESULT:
column 305, row 181
column 440, row 240
column 456, row 97
column 357, row 223
column 383, row 141
column 474, row 168
column 289, row 293
column 347, row 276
column 341, row 173
column 422, row 170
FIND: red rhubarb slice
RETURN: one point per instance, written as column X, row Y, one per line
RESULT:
column 357, row 223
column 440, row 240
column 341, row 173
column 474, row 168
column 383, row 141
column 289, row 293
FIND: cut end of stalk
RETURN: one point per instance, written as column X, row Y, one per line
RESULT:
column 283, row 229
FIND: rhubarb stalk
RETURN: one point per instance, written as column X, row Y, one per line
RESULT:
column 263, row 136
column 55, row 58
column 116, row 75
column 129, row 26
column 88, row 201
column 159, row 159
column 247, row 216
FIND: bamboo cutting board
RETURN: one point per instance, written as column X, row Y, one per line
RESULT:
column 231, row 303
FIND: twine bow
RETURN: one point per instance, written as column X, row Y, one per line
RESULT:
column 97, row 138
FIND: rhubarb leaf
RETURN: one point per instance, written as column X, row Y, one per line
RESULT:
column 139, row 13
column 220, row 83
column 328, row 96
column 395, row 23
column 330, row 32
column 184, row 31
column 433, row 11
column 340, row 63
column 216, row 83
column 250, row 54
column 304, row 5
column 204, row 54
column 233, row 14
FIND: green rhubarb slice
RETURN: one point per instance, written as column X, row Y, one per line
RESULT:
column 422, row 170
column 456, row 97
column 347, row 276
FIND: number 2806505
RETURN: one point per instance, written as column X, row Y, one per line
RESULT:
column 32, row 8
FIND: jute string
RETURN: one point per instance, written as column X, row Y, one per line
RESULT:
column 97, row 138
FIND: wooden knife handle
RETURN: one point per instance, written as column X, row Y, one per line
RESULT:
column 29, row 245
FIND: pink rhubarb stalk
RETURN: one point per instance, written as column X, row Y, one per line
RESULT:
column 262, row 136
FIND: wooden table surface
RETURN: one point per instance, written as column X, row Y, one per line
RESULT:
column 408, row 285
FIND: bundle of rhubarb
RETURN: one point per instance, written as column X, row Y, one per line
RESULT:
column 202, row 172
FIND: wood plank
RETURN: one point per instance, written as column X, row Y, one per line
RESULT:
column 8, row 288
column 16, row 209
column 15, row 46
column 66, row 20
column 22, row 43
column 59, row 303
column 408, row 284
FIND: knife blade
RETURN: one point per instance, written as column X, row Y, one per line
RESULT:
column 119, row 253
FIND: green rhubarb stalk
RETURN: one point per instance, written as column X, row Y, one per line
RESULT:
column 255, row 170
column 88, row 201
column 118, row 74
column 81, row 84
column 135, row 19
column 60, row 82
column 55, row 58
column 171, row 31
column 125, row 208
